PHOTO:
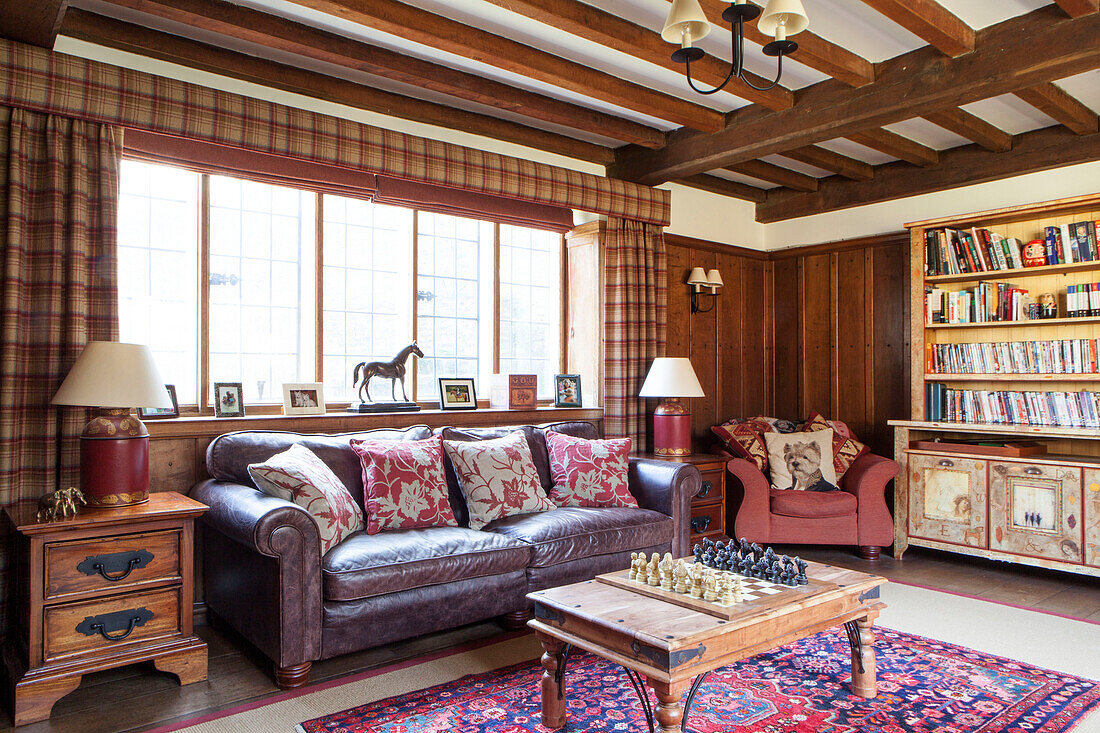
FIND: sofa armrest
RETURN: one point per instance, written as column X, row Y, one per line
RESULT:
column 867, row 479
column 667, row 487
column 262, row 569
column 753, row 521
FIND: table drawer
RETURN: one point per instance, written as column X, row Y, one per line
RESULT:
column 711, row 488
column 706, row 519
column 110, row 563
column 947, row 499
column 107, row 623
column 1035, row 509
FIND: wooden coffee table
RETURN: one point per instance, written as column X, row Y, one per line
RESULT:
column 671, row 646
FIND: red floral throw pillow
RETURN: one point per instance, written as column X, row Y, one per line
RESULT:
column 846, row 449
column 589, row 472
column 298, row 475
column 404, row 486
column 498, row 478
column 745, row 438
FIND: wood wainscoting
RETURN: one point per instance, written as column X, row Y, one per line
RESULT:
column 808, row 328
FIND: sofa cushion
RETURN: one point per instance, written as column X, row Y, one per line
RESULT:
column 589, row 472
column 405, row 486
column 366, row 565
column 572, row 533
column 812, row 504
column 228, row 456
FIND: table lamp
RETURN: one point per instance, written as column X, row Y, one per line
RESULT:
column 114, row 448
column 671, row 378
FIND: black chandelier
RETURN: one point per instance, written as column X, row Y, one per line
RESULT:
column 687, row 24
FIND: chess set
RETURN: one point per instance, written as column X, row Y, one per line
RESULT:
column 719, row 579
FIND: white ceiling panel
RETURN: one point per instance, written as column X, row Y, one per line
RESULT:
column 749, row 180
column 844, row 146
column 925, row 133
column 982, row 13
column 794, row 165
column 853, row 25
column 1010, row 113
column 1085, row 88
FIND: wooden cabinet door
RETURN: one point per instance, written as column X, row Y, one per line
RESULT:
column 947, row 499
column 1035, row 510
column 1091, row 498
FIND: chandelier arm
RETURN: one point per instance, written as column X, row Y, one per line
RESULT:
column 720, row 87
column 778, row 75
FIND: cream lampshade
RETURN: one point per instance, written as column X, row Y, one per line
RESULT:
column 686, row 23
column 698, row 278
column 114, row 448
column 671, row 378
column 783, row 18
column 714, row 280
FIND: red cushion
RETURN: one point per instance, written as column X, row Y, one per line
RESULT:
column 589, row 472
column 812, row 503
column 404, row 484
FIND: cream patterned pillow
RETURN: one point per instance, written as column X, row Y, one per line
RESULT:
column 498, row 478
column 298, row 475
column 802, row 461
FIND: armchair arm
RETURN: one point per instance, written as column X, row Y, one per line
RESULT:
column 262, row 569
column 867, row 479
column 667, row 487
column 753, row 520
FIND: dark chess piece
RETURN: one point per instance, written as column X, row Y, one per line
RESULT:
column 708, row 558
column 743, row 548
column 760, row 569
column 786, row 560
column 697, row 551
column 773, row 574
column 744, row 566
column 757, row 552
column 769, row 555
column 708, row 544
column 801, row 578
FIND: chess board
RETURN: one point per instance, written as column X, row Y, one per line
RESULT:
column 756, row 594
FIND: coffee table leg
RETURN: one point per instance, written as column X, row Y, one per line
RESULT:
column 670, row 714
column 861, row 637
column 553, row 691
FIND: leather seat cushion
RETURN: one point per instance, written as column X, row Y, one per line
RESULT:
column 572, row 533
column 813, row 503
column 394, row 560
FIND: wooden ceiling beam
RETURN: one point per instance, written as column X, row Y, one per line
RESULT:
column 1054, row 102
column 931, row 21
column 1077, row 8
column 408, row 23
column 32, row 21
column 1039, row 150
column 585, row 21
column 137, row 39
column 271, row 31
column 1025, row 51
column 826, row 159
column 896, row 145
column 972, row 127
column 725, row 187
column 813, row 51
column 771, row 173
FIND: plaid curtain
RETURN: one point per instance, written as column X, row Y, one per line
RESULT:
column 58, row 290
column 635, row 266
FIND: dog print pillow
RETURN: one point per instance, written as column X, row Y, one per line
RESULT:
column 802, row 461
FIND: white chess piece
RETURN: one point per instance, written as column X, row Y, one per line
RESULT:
column 680, row 577
column 697, row 580
column 633, row 566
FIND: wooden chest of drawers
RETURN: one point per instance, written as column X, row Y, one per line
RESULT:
column 708, row 506
column 106, row 588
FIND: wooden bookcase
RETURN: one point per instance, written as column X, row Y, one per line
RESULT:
column 968, row 502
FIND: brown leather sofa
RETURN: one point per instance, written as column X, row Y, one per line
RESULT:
column 265, row 577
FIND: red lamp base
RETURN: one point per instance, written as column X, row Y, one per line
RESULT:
column 114, row 460
column 671, row 428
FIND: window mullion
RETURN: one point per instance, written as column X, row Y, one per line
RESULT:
column 204, row 294
column 496, row 298
column 413, row 372
column 319, row 292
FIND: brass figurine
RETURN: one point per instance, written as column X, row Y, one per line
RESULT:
column 59, row 504
column 393, row 370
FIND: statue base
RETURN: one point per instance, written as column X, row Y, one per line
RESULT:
column 384, row 407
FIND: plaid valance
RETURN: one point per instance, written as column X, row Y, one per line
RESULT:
column 46, row 81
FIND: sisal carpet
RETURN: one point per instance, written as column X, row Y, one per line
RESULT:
column 1050, row 700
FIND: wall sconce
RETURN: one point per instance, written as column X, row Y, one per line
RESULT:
column 699, row 280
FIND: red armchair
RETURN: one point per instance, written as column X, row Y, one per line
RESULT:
column 855, row 515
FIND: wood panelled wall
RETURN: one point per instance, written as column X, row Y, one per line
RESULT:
column 811, row 328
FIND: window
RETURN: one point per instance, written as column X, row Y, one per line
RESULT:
column 301, row 286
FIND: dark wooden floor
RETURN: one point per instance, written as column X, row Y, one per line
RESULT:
column 137, row 698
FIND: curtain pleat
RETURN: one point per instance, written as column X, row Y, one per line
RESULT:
column 58, row 290
column 635, row 266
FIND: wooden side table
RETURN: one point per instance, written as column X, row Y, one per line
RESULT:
column 103, row 589
column 708, row 507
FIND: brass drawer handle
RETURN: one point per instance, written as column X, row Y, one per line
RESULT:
column 704, row 489
column 108, row 625
column 700, row 524
column 115, row 566
column 1032, row 471
column 946, row 462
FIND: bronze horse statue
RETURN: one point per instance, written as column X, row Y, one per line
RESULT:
column 394, row 370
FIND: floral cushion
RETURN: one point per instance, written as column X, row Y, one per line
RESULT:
column 745, row 438
column 589, row 472
column 846, row 449
column 298, row 475
column 498, row 478
column 404, row 486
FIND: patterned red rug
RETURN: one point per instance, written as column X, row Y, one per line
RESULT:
column 923, row 686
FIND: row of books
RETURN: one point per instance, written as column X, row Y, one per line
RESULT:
column 1048, row 409
column 1062, row 356
column 1083, row 300
column 958, row 251
column 983, row 303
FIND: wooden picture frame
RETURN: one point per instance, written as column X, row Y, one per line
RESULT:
column 457, row 394
column 303, row 398
column 228, row 399
column 162, row 413
column 567, row 390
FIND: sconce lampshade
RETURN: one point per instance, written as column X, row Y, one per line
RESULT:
column 714, row 279
column 114, row 448
column 787, row 13
column 697, row 277
column 686, row 23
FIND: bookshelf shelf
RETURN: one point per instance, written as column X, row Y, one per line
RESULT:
column 934, row 377
column 1003, row 324
column 1042, row 431
column 1014, row 274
